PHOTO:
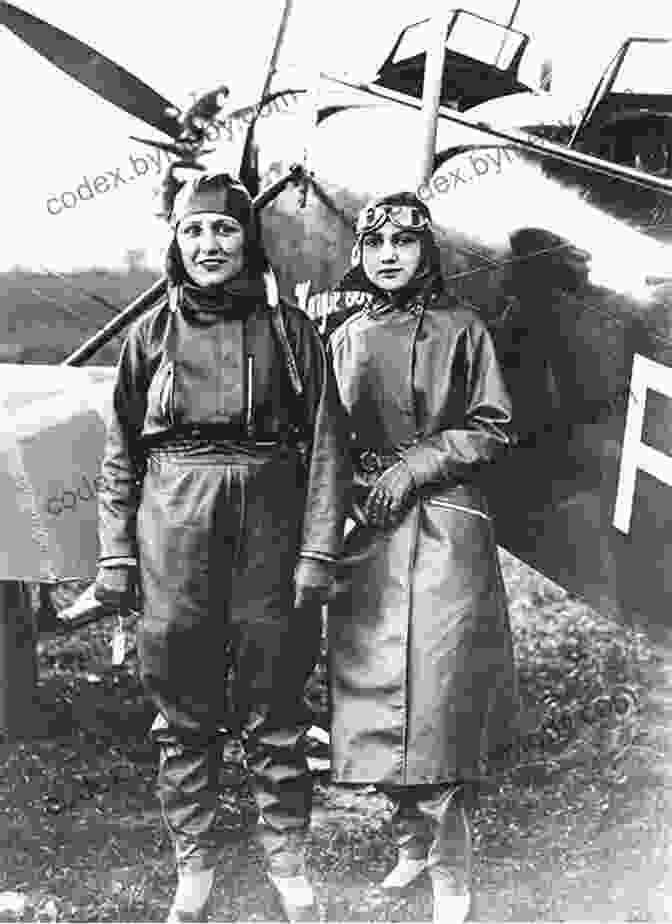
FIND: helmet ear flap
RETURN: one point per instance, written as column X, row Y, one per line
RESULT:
column 356, row 254
column 174, row 266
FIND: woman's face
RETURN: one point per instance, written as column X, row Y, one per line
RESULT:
column 211, row 246
column 391, row 256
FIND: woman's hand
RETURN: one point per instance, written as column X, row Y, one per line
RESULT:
column 390, row 496
column 312, row 582
column 115, row 584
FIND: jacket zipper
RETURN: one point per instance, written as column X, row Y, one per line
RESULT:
column 167, row 398
column 249, row 400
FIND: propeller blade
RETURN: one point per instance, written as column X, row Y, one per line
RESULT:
column 160, row 145
column 92, row 69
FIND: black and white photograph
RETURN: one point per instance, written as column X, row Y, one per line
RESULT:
column 336, row 462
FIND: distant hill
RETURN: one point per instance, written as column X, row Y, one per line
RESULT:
column 44, row 318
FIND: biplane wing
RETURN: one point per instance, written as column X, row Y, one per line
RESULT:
column 52, row 428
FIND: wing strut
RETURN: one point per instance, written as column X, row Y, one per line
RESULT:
column 431, row 92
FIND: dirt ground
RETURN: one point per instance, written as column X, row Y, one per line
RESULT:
column 575, row 827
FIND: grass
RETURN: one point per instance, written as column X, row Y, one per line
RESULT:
column 83, row 839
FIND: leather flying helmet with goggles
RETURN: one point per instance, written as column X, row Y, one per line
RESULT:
column 406, row 217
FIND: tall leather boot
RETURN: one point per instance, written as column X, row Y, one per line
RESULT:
column 413, row 833
column 296, row 896
column 450, row 858
column 282, row 786
column 187, row 789
column 191, row 897
column 287, row 872
column 413, row 837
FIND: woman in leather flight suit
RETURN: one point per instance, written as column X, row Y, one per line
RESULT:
column 226, row 471
column 423, row 681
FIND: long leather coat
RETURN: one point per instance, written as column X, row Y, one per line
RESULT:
column 422, row 660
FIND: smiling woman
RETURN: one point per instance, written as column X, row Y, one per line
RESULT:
column 211, row 246
column 225, row 488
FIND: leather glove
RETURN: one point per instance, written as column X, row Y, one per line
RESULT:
column 114, row 585
column 312, row 582
column 390, row 496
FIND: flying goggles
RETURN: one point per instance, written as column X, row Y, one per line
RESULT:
column 407, row 217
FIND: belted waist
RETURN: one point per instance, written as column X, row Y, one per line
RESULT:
column 215, row 439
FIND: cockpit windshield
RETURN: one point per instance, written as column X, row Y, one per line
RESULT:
column 646, row 68
column 468, row 35
column 481, row 61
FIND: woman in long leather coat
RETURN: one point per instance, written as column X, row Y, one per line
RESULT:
column 226, row 470
column 423, row 682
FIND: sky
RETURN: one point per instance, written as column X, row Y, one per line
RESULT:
column 58, row 136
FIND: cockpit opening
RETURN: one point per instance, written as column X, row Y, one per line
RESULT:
column 482, row 60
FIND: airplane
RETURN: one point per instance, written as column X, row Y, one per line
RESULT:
column 556, row 230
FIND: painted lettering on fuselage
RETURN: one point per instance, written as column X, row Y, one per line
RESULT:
column 637, row 455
